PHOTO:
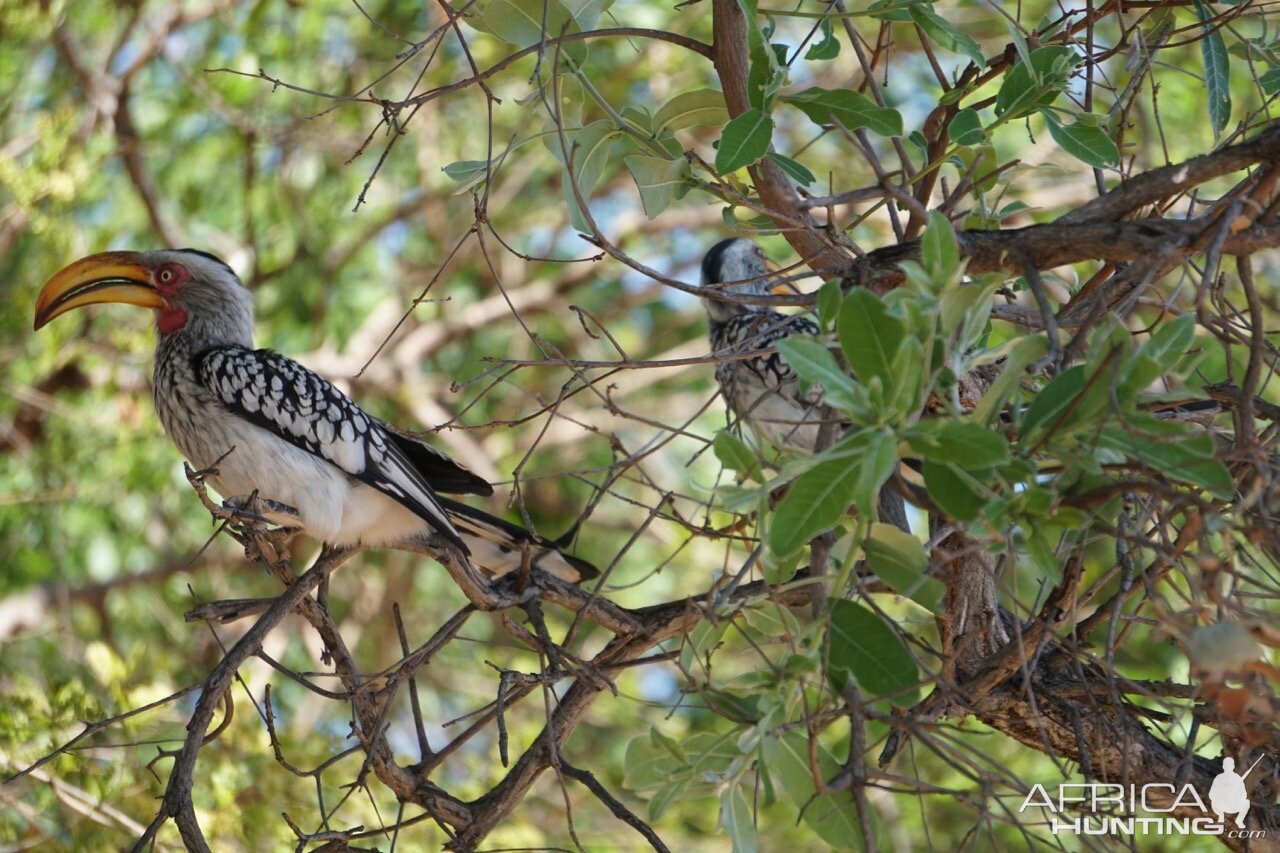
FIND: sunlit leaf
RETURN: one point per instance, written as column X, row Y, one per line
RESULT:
column 834, row 817
column 1053, row 402
column 939, row 251
column 1035, row 83
column 691, row 109
column 827, row 47
column 737, row 818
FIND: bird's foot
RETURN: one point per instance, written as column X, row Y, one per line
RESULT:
column 251, row 516
column 262, row 511
column 270, row 546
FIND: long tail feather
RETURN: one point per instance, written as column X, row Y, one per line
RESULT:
column 498, row 546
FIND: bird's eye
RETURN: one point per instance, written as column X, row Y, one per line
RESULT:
column 166, row 276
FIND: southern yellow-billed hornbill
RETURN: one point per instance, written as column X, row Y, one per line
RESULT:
column 763, row 390
column 272, row 427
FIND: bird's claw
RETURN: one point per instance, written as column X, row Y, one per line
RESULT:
column 254, row 509
column 249, row 515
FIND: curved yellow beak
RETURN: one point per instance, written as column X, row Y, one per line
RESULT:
column 104, row 277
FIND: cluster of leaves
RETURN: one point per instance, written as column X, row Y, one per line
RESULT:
column 1021, row 466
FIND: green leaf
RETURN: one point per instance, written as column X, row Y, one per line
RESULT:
column 692, row 109
column 649, row 763
column 815, row 503
column 1053, row 401
column 735, row 455
column 1270, row 81
column 1171, row 341
column 765, row 75
column 1160, row 352
column 462, row 170
column 828, row 47
column 1019, row 42
column 966, row 306
column 744, row 140
column 794, row 170
column 467, row 172
column 966, row 128
column 1088, row 144
column 891, row 10
column 814, row 363
column 712, row 754
column 899, row 559
column 1217, row 70
column 863, row 646
column 1024, row 353
column 1181, row 451
column 1035, row 83
column 869, row 334
column 587, row 12
column 1043, row 554
column 704, row 638
column 950, row 491
column 846, row 108
column 659, row 181
column 939, row 250
column 832, row 817
column 589, row 147
column 521, row 23
column 964, row 443
column 941, row 32
column 829, row 297
column 665, row 796
column 907, row 390
column 820, row 497
column 737, row 818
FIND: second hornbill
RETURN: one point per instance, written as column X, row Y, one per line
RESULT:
column 762, row 389
column 272, row 427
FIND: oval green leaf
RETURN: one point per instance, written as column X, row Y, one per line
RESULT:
column 744, row 140
column 863, row 646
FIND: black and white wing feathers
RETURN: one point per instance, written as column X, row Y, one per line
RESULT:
column 296, row 404
column 443, row 473
column 759, row 330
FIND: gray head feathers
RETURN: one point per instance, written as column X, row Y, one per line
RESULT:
column 736, row 266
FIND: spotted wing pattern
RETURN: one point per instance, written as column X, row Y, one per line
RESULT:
column 301, row 407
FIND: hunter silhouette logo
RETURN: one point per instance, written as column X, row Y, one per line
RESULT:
column 1227, row 794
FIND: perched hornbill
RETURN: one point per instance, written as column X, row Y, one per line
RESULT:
column 271, row 426
column 763, row 390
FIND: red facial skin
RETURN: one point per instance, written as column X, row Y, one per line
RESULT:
column 167, row 280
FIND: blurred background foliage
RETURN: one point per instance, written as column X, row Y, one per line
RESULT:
column 428, row 292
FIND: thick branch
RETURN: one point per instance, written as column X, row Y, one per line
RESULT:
column 1054, row 245
column 729, row 53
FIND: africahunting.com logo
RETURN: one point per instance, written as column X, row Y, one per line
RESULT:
column 1101, row 808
